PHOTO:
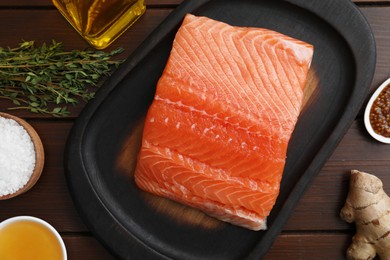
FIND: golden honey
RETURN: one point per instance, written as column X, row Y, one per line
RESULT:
column 100, row 22
column 26, row 239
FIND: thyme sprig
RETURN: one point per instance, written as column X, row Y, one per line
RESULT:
column 47, row 79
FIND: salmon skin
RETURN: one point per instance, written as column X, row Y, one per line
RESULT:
column 216, row 134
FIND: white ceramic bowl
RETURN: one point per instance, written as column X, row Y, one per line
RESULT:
column 367, row 123
column 39, row 221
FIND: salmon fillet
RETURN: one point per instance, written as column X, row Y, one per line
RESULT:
column 216, row 134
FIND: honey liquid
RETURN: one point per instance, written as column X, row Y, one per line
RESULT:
column 100, row 22
column 25, row 239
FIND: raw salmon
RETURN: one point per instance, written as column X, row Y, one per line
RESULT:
column 216, row 135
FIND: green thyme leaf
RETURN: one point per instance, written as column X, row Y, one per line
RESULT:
column 36, row 78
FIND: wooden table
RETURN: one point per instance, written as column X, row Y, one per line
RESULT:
column 313, row 231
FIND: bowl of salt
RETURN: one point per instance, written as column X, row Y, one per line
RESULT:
column 21, row 156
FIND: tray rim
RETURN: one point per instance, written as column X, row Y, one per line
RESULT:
column 74, row 143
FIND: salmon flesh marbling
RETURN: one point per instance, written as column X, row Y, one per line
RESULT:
column 216, row 135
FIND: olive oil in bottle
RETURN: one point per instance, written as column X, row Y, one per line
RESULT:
column 100, row 22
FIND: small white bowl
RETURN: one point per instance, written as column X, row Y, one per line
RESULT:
column 367, row 123
column 14, row 220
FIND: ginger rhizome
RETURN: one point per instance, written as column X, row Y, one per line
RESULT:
column 368, row 206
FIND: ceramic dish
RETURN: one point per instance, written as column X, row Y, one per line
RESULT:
column 367, row 111
column 16, row 230
column 102, row 147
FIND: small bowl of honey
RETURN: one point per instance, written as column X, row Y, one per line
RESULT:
column 26, row 237
column 377, row 113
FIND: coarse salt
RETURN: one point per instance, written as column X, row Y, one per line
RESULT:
column 17, row 156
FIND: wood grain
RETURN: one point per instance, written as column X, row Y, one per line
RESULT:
column 314, row 229
column 315, row 246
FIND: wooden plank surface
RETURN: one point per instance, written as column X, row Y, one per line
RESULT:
column 314, row 246
column 314, row 230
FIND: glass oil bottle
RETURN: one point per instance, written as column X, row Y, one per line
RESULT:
column 100, row 22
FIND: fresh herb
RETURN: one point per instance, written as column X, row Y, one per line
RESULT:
column 47, row 79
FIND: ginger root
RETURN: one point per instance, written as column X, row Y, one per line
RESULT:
column 368, row 206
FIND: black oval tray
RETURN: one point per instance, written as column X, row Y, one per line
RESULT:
column 101, row 149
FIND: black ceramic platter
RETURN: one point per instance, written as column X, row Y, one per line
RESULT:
column 103, row 145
